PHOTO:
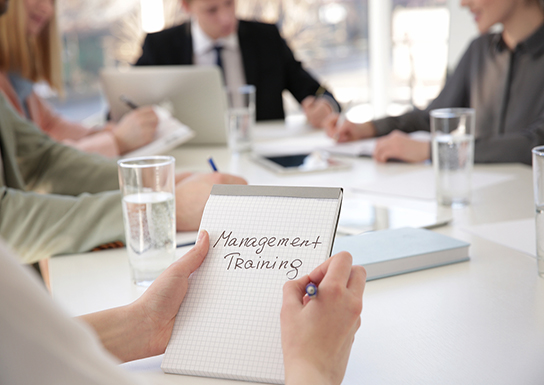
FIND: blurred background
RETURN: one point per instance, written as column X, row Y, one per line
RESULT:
column 377, row 56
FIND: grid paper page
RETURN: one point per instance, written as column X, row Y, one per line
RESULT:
column 229, row 323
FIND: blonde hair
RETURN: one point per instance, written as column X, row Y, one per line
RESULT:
column 37, row 58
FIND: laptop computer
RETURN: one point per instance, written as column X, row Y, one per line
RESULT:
column 195, row 93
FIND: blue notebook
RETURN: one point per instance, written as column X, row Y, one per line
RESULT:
column 397, row 251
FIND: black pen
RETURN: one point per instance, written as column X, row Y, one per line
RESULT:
column 128, row 102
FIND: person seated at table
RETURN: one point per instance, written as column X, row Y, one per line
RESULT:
column 55, row 199
column 249, row 52
column 40, row 344
column 29, row 53
column 500, row 76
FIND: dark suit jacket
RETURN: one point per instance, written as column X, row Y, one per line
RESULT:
column 269, row 64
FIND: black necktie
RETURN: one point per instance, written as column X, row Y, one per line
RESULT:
column 218, row 60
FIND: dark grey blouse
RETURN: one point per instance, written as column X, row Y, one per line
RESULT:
column 506, row 88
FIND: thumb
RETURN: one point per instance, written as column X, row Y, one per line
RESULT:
column 187, row 264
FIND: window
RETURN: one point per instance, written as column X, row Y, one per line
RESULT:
column 331, row 38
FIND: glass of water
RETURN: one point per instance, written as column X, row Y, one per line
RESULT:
column 240, row 117
column 538, row 184
column 148, row 188
column 452, row 132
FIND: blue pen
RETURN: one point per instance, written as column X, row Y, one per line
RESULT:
column 311, row 290
column 210, row 161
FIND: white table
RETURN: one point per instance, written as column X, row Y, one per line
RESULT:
column 479, row 322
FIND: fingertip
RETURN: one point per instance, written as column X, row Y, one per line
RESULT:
column 345, row 255
column 357, row 280
column 203, row 233
column 339, row 269
column 203, row 241
column 191, row 260
column 360, row 270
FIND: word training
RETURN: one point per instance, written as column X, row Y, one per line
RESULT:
column 236, row 262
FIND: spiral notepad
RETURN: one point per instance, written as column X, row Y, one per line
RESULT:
column 228, row 326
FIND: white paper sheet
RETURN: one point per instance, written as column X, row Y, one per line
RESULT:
column 170, row 134
column 366, row 147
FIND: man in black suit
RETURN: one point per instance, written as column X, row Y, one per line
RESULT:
column 247, row 52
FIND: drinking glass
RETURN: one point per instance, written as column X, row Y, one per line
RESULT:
column 452, row 132
column 538, row 185
column 148, row 188
column 240, row 117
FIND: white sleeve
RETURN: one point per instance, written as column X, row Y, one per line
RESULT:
column 39, row 343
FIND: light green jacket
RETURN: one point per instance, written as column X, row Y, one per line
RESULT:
column 54, row 199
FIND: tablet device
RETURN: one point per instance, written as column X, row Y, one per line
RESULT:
column 316, row 161
column 195, row 94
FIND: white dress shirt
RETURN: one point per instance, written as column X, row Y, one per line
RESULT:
column 204, row 54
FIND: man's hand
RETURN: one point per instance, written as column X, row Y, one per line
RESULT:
column 135, row 129
column 347, row 131
column 316, row 110
column 317, row 333
column 192, row 193
column 398, row 145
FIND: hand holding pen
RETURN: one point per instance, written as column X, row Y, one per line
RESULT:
column 317, row 107
column 128, row 102
column 317, row 333
column 343, row 130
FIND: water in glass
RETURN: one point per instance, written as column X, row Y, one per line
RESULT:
column 240, row 121
column 150, row 230
column 540, row 239
column 453, row 168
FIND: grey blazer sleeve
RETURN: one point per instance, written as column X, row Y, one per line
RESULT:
column 50, row 167
column 59, row 215
column 38, row 226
